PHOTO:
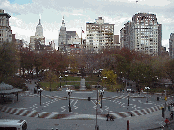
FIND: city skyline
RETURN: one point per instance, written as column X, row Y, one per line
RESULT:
column 25, row 15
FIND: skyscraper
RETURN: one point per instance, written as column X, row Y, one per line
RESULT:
column 171, row 46
column 39, row 29
column 142, row 34
column 5, row 29
column 99, row 35
column 37, row 42
column 64, row 37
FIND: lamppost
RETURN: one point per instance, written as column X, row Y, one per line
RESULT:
column 66, row 78
column 147, row 92
column 128, row 101
column 96, row 126
column 60, row 77
column 101, row 95
column 102, row 92
column 165, row 98
column 40, row 91
column 69, row 93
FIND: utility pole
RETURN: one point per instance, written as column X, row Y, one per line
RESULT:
column 96, row 126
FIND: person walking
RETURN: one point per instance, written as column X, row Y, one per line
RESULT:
column 166, row 121
column 171, row 115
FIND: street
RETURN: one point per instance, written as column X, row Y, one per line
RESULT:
column 54, row 108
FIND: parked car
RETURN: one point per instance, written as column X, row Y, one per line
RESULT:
column 129, row 89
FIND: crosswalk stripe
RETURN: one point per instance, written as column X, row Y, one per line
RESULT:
column 32, row 112
column 153, row 109
column 145, row 111
column 7, row 109
column 18, row 111
column 51, row 115
column 140, row 112
column 134, row 113
column 3, row 108
column 25, row 111
column 12, row 110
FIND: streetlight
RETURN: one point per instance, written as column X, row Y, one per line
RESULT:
column 128, row 101
column 69, row 93
column 40, row 91
column 60, row 80
column 66, row 78
column 101, row 95
column 147, row 92
column 96, row 126
column 102, row 92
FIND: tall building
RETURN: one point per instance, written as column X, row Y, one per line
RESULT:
column 142, row 34
column 116, row 41
column 64, row 38
column 5, row 29
column 99, row 35
column 171, row 46
column 37, row 42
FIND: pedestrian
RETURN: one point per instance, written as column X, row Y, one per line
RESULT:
column 171, row 115
column 120, row 90
column 166, row 121
column 107, row 116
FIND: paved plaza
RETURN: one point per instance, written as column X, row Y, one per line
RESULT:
column 54, row 110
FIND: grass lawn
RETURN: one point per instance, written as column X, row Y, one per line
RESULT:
column 70, row 80
column 55, row 85
column 93, row 78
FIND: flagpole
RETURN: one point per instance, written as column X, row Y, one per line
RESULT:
column 81, row 35
column 136, row 5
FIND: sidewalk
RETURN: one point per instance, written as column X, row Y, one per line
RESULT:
column 148, row 121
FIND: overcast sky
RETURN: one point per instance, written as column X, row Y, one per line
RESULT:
column 25, row 15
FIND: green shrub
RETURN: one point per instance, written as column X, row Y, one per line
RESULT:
column 76, row 86
column 88, row 86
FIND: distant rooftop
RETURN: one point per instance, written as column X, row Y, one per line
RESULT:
column 4, row 14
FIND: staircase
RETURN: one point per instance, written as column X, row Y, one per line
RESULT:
column 82, row 84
